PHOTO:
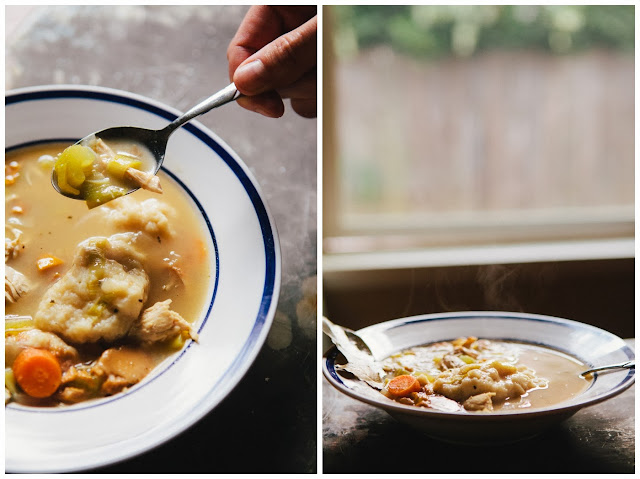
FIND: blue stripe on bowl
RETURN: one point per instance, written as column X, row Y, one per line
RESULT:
column 270, row 285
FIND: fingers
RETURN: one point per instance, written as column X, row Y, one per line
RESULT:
column 305, row 108
column 302, row 94
column 262, row 25
column 259, row 27
column 268, row 104
column 280, row 63
column 304, row 88
column 273, row 56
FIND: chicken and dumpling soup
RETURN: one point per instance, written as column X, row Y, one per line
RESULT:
column 479, row 375
column 94, row 298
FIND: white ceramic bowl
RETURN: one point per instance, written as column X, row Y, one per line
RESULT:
column 242, row 301
column 591, row 345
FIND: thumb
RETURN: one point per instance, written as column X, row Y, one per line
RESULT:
column 280, row 63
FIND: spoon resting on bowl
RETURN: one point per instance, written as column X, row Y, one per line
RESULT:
column 96, row 171
column 625, row 365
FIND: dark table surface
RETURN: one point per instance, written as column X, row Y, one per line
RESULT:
column 358, row 438
column 177, row 55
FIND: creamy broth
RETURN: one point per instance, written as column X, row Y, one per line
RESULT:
column 562, row 372
column 52, row 225
column 513, row 375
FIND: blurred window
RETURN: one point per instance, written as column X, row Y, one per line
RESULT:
column 448, row 125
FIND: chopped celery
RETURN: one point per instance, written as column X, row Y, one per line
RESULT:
column 10, row 381
column 16, row 324
column 99, row 192
column 87, row 380
column 97, row 308
column 97, row 274
column 467, row 359
column 120, row 163
column 177, row 342
column 72, row 167
column 65, row 187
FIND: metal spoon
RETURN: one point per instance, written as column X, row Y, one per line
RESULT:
column 156, row 140
column 625, row 365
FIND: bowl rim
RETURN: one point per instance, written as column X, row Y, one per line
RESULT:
column 569, row 407
column 248, row 352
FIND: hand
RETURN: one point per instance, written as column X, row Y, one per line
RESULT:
column 273, row 56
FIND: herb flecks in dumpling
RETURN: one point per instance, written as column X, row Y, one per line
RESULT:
column 101, row 296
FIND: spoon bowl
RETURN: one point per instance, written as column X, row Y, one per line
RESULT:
column 155, row 141
column 152, row 140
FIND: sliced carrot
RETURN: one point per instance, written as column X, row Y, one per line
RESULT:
column 38, row 372
column 403, row 385
column 46, row 262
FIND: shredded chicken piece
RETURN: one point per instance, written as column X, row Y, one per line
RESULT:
column 12, row 242
column 177, row 276
column 143, row 179
column 442, row 403
column 122, row 367
column 102, row 149
column 479, row 402
column 450, row 361
column 158, row 323
column 469, row 352
column 72, row 394
column 16, row 285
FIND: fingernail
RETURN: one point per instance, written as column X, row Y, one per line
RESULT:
column 250, row 77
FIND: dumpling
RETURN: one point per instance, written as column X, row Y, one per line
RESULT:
column 150, row 216
column 101, row 296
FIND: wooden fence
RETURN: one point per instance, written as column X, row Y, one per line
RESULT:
column 503, row 131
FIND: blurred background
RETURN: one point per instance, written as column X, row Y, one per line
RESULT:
column 479, row 157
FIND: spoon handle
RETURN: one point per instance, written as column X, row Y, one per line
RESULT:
column 627, row 365
column 226, row 95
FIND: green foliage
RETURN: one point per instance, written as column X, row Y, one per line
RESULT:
column 434, row 31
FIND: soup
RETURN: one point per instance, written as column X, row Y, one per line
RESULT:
column 97, row 172
column 107, row 292
column 468, row 374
